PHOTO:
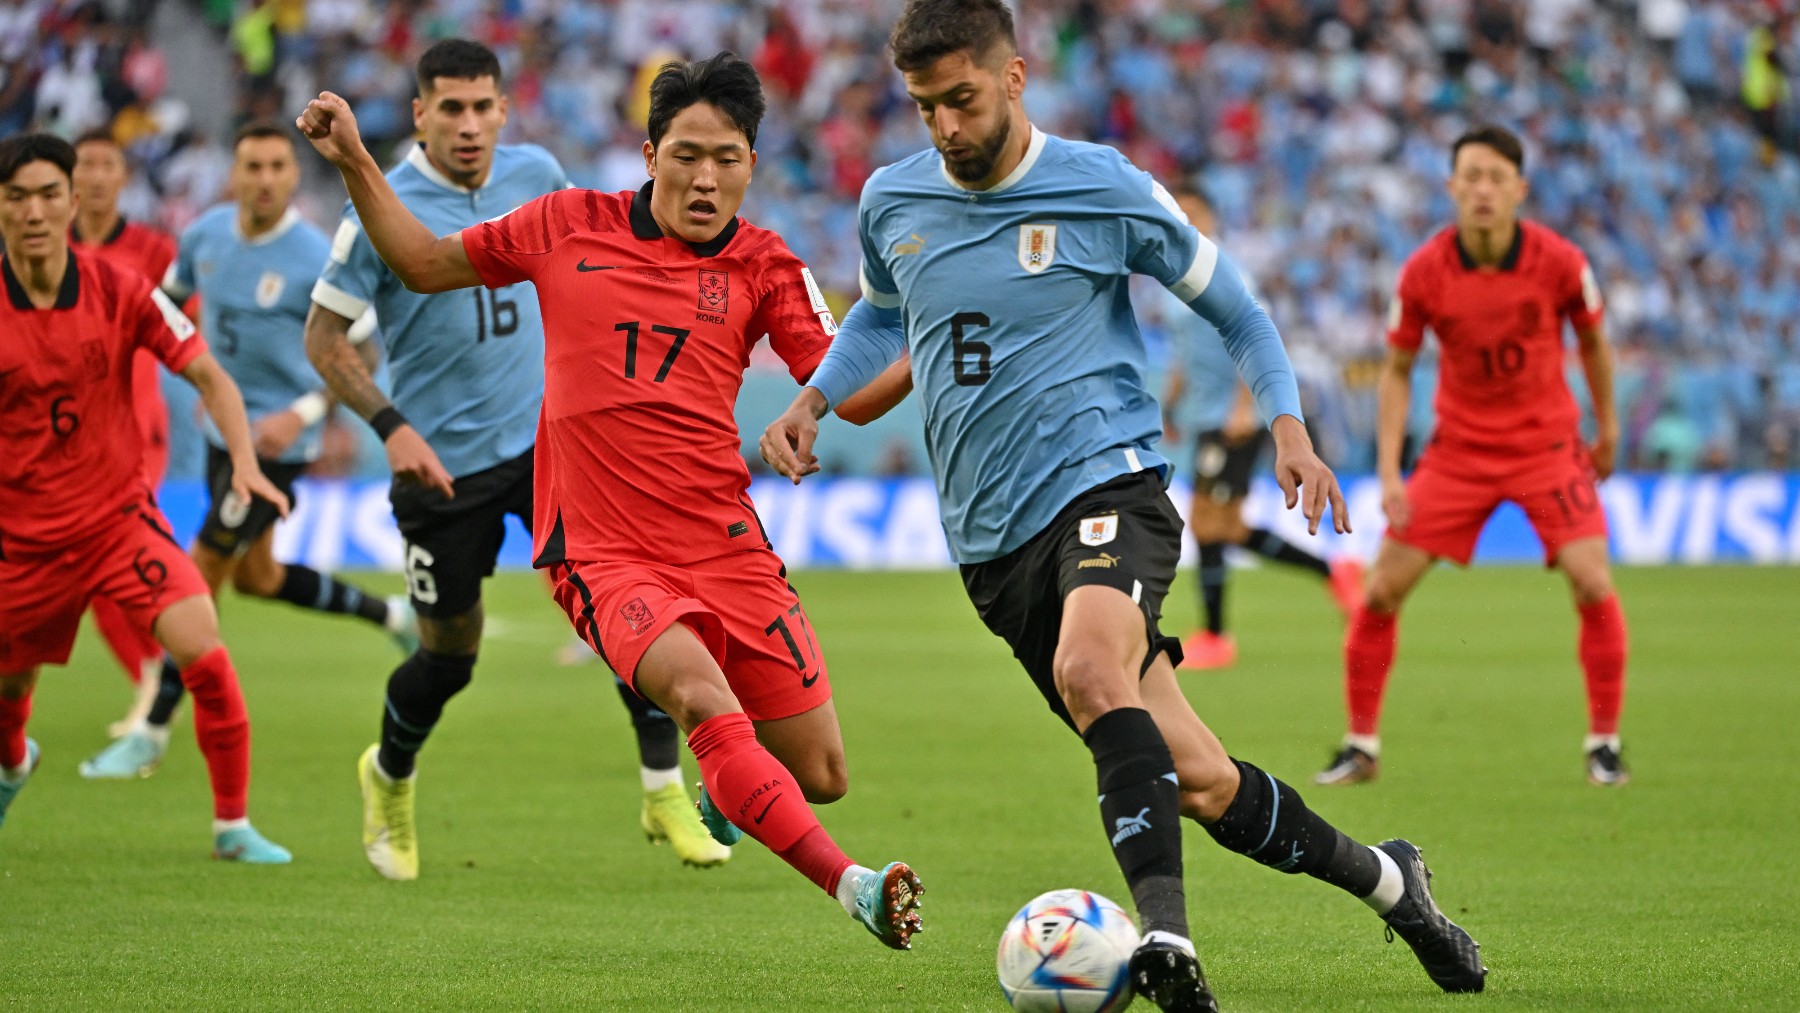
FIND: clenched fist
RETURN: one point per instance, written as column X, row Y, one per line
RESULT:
column 328, row 123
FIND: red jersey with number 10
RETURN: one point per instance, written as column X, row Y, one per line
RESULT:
column 646, row 339
column 70, row 453
column 1500, row 384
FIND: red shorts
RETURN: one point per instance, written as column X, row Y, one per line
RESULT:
column 1455, row 489
column 135, row 562
column 740, row 604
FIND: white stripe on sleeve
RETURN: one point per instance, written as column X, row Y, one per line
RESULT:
column 875, row 297
column 1199, row 274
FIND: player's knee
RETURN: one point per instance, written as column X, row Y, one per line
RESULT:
column 1383, row 594
column 692, row 702
column 255, row 583
column 824, row 781
column 1211, row 530
column 460, row 634
column 188, row 630
column 1591, row 588
column 1091, row 683
column 184, row 651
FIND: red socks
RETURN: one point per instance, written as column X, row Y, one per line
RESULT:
column 751, row 787
column 1603, row 651
column 1368, row 655
column 131, row 644
column 13, row 714
column 223, row 728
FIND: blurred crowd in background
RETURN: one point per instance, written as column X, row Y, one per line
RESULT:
column 1661, row 138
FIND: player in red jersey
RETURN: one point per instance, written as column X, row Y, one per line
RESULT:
column 652, row 302
column 1495, row 290
column 77, row 520
column 101, row 173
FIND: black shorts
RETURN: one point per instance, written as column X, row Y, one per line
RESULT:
column 1222, row 470
column 1123, row 534
column 230, row 526
column 451, row 544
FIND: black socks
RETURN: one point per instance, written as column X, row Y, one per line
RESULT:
column 1270, row 545
column 1269, row 822
column 416, row 694
column 1212, row 585
column 1140, row 807
column 659, row 741
column 308, row 588
column 169, row 692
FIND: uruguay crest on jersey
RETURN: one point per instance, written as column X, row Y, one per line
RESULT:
column 268, row 288
column 1099, row 530
column 1037, row 246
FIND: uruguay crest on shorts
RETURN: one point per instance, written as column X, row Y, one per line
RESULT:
column 1099, row 530
column 1037, row 247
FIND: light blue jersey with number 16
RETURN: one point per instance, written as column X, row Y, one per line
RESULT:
column 468, row 365
column 1027, row 357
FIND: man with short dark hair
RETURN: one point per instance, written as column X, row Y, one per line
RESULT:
column 468, row 379
column 1495, row 289
column 253, row 262
column 1000, row 260
column 101, row 173
column 652, row 303
column 77, row 519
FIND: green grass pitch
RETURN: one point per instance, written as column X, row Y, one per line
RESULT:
column 538, row 890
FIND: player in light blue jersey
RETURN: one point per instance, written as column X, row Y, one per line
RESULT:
column 1000, row 261
column 468, row 379
column 1205, row 399
column 253, row 262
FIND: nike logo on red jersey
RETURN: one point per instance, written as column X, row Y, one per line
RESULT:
column 584, row 266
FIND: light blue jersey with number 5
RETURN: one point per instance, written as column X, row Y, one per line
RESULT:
column 467, row 365
column 1014, row 302
column 253, row 310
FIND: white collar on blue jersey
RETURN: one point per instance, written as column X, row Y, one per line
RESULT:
column 418, row 160
column 289, row 219
column 1032, row 151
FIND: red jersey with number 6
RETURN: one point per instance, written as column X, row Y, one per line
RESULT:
column 70, row 453
column 646, row 339
column 1501, row 384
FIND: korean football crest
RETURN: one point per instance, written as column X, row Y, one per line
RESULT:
column 636, row 614
column 268, row 289
column 715, row 291
column 1037, row 247
column 1099, row 530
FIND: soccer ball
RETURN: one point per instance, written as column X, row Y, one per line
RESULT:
column 1068, row 950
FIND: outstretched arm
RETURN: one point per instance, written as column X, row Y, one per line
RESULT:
column 422, row 261
column 347, row 374
column 226, row 406
column 1393, row 402
column 868, row 344
column 1597, row 362
column 879, row 397
column 1262, row 362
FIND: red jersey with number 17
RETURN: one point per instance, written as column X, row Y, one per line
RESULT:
column 1500, row 384
column 646, row 339
column 70, row 453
